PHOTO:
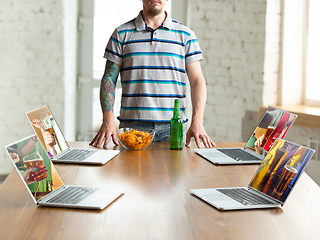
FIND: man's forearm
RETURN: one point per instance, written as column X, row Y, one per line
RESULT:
column 108, row 85
column 198, row 91
column 198, row 98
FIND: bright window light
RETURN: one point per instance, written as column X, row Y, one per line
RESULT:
column 109, row 14
column 313, row 69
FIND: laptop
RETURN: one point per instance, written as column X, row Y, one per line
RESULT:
column 44, row 184
column 46, row 128
column 271, row 184
column 275, row 123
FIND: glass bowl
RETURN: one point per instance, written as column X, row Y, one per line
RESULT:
column 134, row 139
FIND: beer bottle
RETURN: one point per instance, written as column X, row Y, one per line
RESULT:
column 176, row 128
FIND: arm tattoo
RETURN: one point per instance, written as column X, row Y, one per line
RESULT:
column 108, row 85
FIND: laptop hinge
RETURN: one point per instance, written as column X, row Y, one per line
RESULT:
column 254, row 153
column 52, row 194
column 56, row 157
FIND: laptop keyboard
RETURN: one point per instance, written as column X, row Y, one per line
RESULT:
column 243, row 196
column 238, row 154
column 72, row 195
column 77, row 154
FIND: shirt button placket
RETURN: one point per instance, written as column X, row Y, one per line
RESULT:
column 155, row 36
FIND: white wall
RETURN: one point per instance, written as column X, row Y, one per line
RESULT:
column 32, row 65
column 232, row 38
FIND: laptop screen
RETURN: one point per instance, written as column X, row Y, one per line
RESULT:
column 34, row 166
column 280, row 169
column 274, row 124
column 47, row 130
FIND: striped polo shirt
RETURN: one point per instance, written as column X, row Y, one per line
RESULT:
column 153, row 67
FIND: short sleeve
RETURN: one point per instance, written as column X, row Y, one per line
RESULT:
column 193, row 51
column 113, row 51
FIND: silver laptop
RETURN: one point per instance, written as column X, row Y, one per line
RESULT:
column 44, row 184
column 275, row 123
column 46, row 128
column 270, row 185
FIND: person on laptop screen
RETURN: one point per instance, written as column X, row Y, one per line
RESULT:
column 48, row 131
column 18, row 153
column 42, row 181
column 34, row 166
column 48, row 137
column 274, row 124
column 152, row 53
column 51, row 137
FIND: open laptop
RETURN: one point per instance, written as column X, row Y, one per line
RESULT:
column 275, row 123
column 271, row 184
column 48, row 131
column 44, row 184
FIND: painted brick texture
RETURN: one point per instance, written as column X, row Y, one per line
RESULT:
column 31, row 65
column 232, row 38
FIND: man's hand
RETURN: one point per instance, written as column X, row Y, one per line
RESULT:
column 198, row 99
column 107, row 96
column 107, row 130
column 198, row 132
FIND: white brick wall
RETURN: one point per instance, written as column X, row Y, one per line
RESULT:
column 232, row 37
column 31, row 66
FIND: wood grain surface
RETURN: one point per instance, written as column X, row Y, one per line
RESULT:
column 157, row 203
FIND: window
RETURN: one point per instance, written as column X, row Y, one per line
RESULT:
column 300, row 78
column 108, row 14
column 312, row 95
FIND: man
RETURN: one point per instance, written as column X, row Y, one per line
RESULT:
column 152, row 54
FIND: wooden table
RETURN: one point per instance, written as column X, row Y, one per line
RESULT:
column 157, row 203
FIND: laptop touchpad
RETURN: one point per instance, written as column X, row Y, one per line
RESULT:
column 214, row 154
column 216, row 197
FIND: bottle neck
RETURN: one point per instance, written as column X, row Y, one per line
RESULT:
column 176, row 112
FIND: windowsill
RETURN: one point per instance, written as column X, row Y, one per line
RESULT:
column 308, row 116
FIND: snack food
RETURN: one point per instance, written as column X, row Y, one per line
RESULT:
column 135, row 139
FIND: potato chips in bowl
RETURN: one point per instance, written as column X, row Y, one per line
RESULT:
column 133, row 139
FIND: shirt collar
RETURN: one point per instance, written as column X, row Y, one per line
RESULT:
column 141, row 25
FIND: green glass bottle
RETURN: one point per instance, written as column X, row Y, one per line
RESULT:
column 176, row 128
